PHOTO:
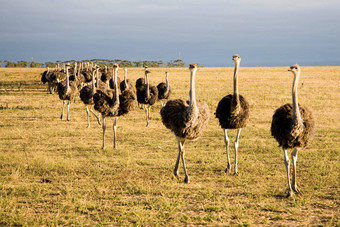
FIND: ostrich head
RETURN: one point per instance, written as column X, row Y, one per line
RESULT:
column 193, row 67
column 294, row 68
column 236, row 58
column 116, row 65
column 147, row 72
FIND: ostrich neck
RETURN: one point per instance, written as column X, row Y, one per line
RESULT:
column 236, row 96
column 166, row 84
column 93, row 84
column 67, row 80
column 192, row 110
column 115, row 70
column 147, row 86
column 296, row 112
column 125, row 80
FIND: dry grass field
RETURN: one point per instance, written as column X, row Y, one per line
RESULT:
column 54, row 172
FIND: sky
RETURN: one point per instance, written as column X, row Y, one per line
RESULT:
column 263, row 32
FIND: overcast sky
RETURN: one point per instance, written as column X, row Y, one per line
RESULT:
column 209, row 32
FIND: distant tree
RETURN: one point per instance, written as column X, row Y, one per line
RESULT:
column 22, row 64
column 138, row 63
column 0, row 64
column 35, row 64
column 126, row 63
column 51, row 64
column 9, row 64
column 176, row 63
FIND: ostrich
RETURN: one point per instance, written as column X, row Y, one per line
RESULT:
column 147, row 95
column 164, row 89
column 110, row 104
column 86, row 95
column 126, row 83
column 186, row 119
column 233, row 112
column 140, row 82
column 67, row 91
column 293, row 127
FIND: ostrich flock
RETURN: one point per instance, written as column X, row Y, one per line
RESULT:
column 105, row 95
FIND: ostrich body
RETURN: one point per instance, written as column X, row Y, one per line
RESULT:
column 233, row 113
column 293, row 127
column 67, row 91
column 164, row 90
column 86, row 95
column 186, row 119
column 147, row 95
column 110, row 104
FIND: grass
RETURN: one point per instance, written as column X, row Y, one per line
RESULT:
column 54, row 172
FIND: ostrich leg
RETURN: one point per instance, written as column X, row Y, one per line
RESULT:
column 62, row 111
column 147, row 115
column 181, row 146
column 294, row 158
column 104, row 127
column 227, row 141
column 88, row 116
column 115, row 133
column 68, row 110
column 236, row 144
column 287, row 164
column 178, row 157
column 97, row 117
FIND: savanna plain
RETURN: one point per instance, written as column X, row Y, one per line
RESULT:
column 54, row 172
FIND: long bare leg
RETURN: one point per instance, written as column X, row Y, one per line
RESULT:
column 186, row 179
column 62, row 111
column 227, row 141
column 294, row 158
column 68, row 110
column 104, row 128
column 147, row 115
column 115, row 133
column 97, row 117
column 178, row 157
column 287, row 164
column 88, row 116
column 236, row 145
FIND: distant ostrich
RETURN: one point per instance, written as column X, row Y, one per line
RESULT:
column 86, row 95
column 186, row 119
column 126, row 83
column 164, row 90
column 147, row 95
column 293, row 127
column 67, row 91
column 233, row 113
column 110, row 104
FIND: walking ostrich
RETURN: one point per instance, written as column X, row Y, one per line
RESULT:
column 293, row 127
column 110, row 104
column 233, row 113
column 86, row 95
column 147, row 95
column 186, row 119
column 164, row 89
column 67, row 91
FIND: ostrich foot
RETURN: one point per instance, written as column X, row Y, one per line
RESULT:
column 186, row 179
column 297, row 190
column 228, row 169
column 236, row 173
column 289, row 194
column 176, row 173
